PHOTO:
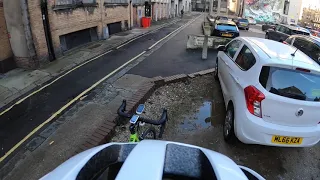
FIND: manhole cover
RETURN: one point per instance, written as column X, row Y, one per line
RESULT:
column 94, row 46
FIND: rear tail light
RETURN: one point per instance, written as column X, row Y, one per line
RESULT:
column 284, row 42
column 253, row 99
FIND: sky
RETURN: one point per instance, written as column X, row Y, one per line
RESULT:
column 313, row 3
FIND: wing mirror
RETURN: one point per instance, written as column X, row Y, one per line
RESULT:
column 221, row 48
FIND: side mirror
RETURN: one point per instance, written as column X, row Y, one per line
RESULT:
column 221, row 48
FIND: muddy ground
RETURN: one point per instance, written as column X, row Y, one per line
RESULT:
column 196, row 113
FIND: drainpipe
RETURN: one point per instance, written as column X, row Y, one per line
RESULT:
column 130, row 4
column 46, row 27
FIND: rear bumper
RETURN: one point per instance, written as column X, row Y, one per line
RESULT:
column 218, row 33
column 253, row 130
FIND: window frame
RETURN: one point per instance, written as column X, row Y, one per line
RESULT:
column 241, row 43
column 252, row 52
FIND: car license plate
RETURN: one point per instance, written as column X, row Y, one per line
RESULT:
column 286, row 140
column 227, row 35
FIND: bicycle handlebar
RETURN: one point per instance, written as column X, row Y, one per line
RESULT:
column 162, row 121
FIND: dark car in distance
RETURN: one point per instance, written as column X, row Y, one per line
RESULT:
column 242, row 23
column 268, row 25
column 224, row 28
column 222, row 18
column 282, row 32
column 310, row 45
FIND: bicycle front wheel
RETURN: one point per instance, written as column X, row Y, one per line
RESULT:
column 150, row 133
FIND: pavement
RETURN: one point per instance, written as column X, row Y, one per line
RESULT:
column 129, row 66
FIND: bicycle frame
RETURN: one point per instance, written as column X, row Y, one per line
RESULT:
column 134, row 138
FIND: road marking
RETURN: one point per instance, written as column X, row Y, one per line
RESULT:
column 66, row 106
column 185, row 25
column 40, row 89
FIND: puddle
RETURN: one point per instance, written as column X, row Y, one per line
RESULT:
column 208, row 114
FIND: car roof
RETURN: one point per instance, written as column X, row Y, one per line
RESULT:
column 314, row 39
column 275, row 52
column 296, row 28
column 225, row 22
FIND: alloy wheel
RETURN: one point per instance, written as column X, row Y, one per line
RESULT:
column 228, row 123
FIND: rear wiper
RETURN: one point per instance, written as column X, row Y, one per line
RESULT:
column 288, row 94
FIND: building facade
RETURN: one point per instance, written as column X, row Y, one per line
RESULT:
column 278, row 11
column 35, row 32
column 311, row 18
column 6, row 55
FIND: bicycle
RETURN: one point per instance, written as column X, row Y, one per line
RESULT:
column 136, row 121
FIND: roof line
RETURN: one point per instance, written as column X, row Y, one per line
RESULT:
column 259, row 47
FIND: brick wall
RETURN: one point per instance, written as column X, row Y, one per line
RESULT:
column 5, row 48
column 116, row 14
column 65, row 21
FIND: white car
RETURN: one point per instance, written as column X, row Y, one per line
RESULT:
column 251, row 21
column 271, row 92
column 151, row 160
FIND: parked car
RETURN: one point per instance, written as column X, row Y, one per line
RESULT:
column 251, row 20
column 315, row 33
column 224, row 28
column 222, row 18
column 268, row 25
column 213, row 19
column 310, row 45
column 282, row 32
column 242, row 23
column 271, row 93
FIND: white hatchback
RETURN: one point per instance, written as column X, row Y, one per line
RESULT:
column 271, row 92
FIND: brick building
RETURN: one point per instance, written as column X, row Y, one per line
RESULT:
column 42, row 30
column 311, row 18
column 6, row 55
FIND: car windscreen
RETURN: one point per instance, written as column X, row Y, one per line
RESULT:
column 300, row 32
column 289, row 83
column 223, row 18
column 226, row 27
column 243, row 20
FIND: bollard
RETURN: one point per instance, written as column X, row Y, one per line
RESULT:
column 205, row 47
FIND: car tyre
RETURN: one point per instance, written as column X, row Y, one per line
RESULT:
column 216, row 77
column 228, row 126
column 247, row 29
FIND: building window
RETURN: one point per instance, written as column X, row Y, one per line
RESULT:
column 138, row 1
column 286, row 7
column 73, row 2
column 116, row 1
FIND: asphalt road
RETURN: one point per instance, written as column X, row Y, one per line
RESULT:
column 23, row 118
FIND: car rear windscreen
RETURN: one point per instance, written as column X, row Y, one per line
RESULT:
column 300, row 32
column 223, row 18
column 289, row 83
column 244, row 20
column 226, row 27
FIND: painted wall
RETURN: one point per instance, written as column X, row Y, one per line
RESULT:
column 272, row 10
